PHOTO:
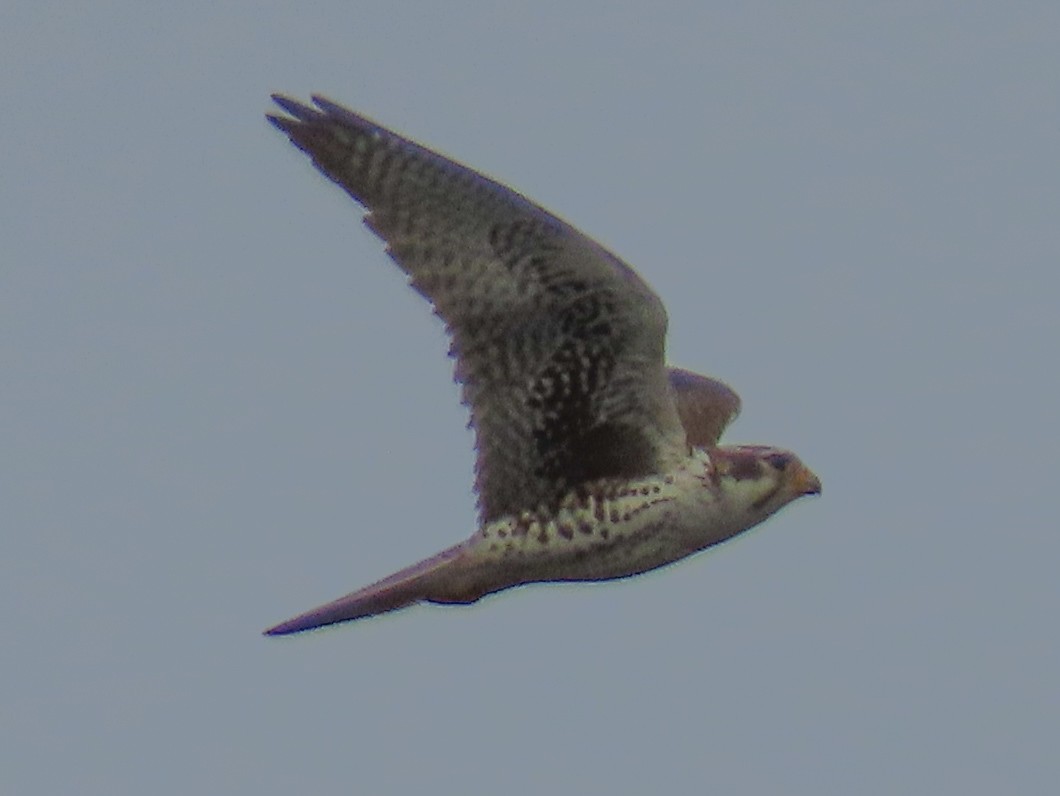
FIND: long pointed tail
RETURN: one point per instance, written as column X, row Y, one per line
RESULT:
column 411, row 585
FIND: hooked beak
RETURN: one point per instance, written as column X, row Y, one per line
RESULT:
column 805, row 482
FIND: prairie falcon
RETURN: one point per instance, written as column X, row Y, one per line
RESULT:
column 594, row 460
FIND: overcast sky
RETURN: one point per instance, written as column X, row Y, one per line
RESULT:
column 220, row 405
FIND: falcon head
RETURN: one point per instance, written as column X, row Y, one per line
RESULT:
column 759, row 480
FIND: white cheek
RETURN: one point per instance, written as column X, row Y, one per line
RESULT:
column 743, row 494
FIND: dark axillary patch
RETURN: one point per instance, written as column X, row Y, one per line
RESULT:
column 608, row 450
column 574, row 444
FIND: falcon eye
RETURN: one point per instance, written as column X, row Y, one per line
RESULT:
column 779, row 460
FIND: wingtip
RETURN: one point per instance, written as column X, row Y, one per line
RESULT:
column 328, row 106
column 282, row 123
column 299, row 114
column 293, row 106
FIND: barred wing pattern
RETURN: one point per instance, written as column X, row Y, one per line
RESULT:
column 559, row 345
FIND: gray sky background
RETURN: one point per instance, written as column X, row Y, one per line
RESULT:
column 220, row 405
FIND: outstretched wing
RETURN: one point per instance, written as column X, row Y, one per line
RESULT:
column 559, row 344
column 706, row 406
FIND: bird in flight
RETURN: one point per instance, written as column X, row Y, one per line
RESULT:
column 595, row 460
